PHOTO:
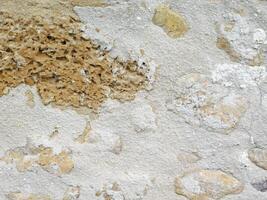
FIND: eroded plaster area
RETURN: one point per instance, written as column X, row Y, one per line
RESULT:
column 180, row 91
column 66, row 68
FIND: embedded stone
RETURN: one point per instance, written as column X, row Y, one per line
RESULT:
column 26, row 158
column 258, row 157
column 30, row 98
column 24, row 196
column 239, row 42
column 207, row 185
column 172, row 23
column 211, row 106
column 83, row 138
column 72, row 193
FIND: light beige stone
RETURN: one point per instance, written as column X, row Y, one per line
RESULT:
column 258, row 157
column 25, row 158
column 208, row 105
column 30, row 98
column 110, row 192
column 171, row 22
column 47, row 159
column 23, row 196
column 207, row 185
column 72, row 193
column 83, row 138
column 239, row 42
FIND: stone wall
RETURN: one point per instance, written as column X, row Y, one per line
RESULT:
column 133, row 100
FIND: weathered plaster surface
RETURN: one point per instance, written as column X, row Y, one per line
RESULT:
column 198, row 132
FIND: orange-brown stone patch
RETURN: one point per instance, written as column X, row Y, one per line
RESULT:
column 67, row 69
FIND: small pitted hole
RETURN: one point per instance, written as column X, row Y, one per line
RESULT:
column 8, row 50
column 50, row 37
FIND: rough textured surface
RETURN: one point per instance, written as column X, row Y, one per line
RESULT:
column 197, row 130
column 66, row 69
